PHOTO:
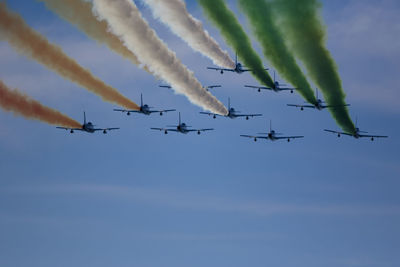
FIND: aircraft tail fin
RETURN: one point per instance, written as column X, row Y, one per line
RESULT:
column 141, row 99
column 84, row 117
column 179, row 118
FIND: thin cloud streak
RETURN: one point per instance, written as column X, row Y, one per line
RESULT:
column 173, row 199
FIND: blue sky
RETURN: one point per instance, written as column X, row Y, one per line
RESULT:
column 137, row 197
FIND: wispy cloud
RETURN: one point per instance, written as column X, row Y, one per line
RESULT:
column 192, row 201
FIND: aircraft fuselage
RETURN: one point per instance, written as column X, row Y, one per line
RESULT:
column 357, row 133
column 238, row 68
column 145, row 109
column 276, row 86
column 319, row 105
column 88, row 127
column 271, row 135
column 232, row 113
column 182, row 128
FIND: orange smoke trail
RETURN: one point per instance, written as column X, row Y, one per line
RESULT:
column 21, row 104
column 31, row 43
column 79, row 13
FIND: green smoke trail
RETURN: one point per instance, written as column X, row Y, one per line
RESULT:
column 259, row 14
column 230, row 28
column 303, row 29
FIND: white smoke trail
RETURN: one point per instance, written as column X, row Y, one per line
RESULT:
column 174, row 14
column 126, row 21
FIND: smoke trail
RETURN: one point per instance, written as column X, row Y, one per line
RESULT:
column 259, row 14
column 21, row 104
column 236, row 37
column 174, row 14
column 126, row 21
column 301, row 23
column 79, row 13
column 32, row 44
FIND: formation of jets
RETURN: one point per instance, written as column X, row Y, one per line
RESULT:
column 183, row 128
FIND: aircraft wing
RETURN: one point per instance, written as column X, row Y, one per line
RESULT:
column 258, row 87
column 289, row 137
column 161, row 111
column 165, row 86
column 249, row 70
column 125, row 110
column 301, row 106
column 213, row 68
column 374, row 136
column 164, row 129
column 159, row 129
column 286, row 89
column 254, row 136
column 336, row 132
column 335, row 106
column 212, row 86
column 75, row 129
column 209, row 113
column 248, row 115
column 105, row 129
column 200, row 130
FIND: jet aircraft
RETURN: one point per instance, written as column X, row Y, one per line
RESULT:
column 277, row 87
column 181, row 128
column 232, row 113
column 144, row 109
column 319, row 105
column 87, row 127
column 357, row 134
column 238, row 68
column 271, row 135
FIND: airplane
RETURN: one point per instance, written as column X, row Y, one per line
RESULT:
column 276, row 87
column 205, row 87
column 87, row 127
column 181, row 128
column 232, row 113
column 357, row 134
column 238, row 68
column 318, row 105
column 144, row 109
column 271, row 135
